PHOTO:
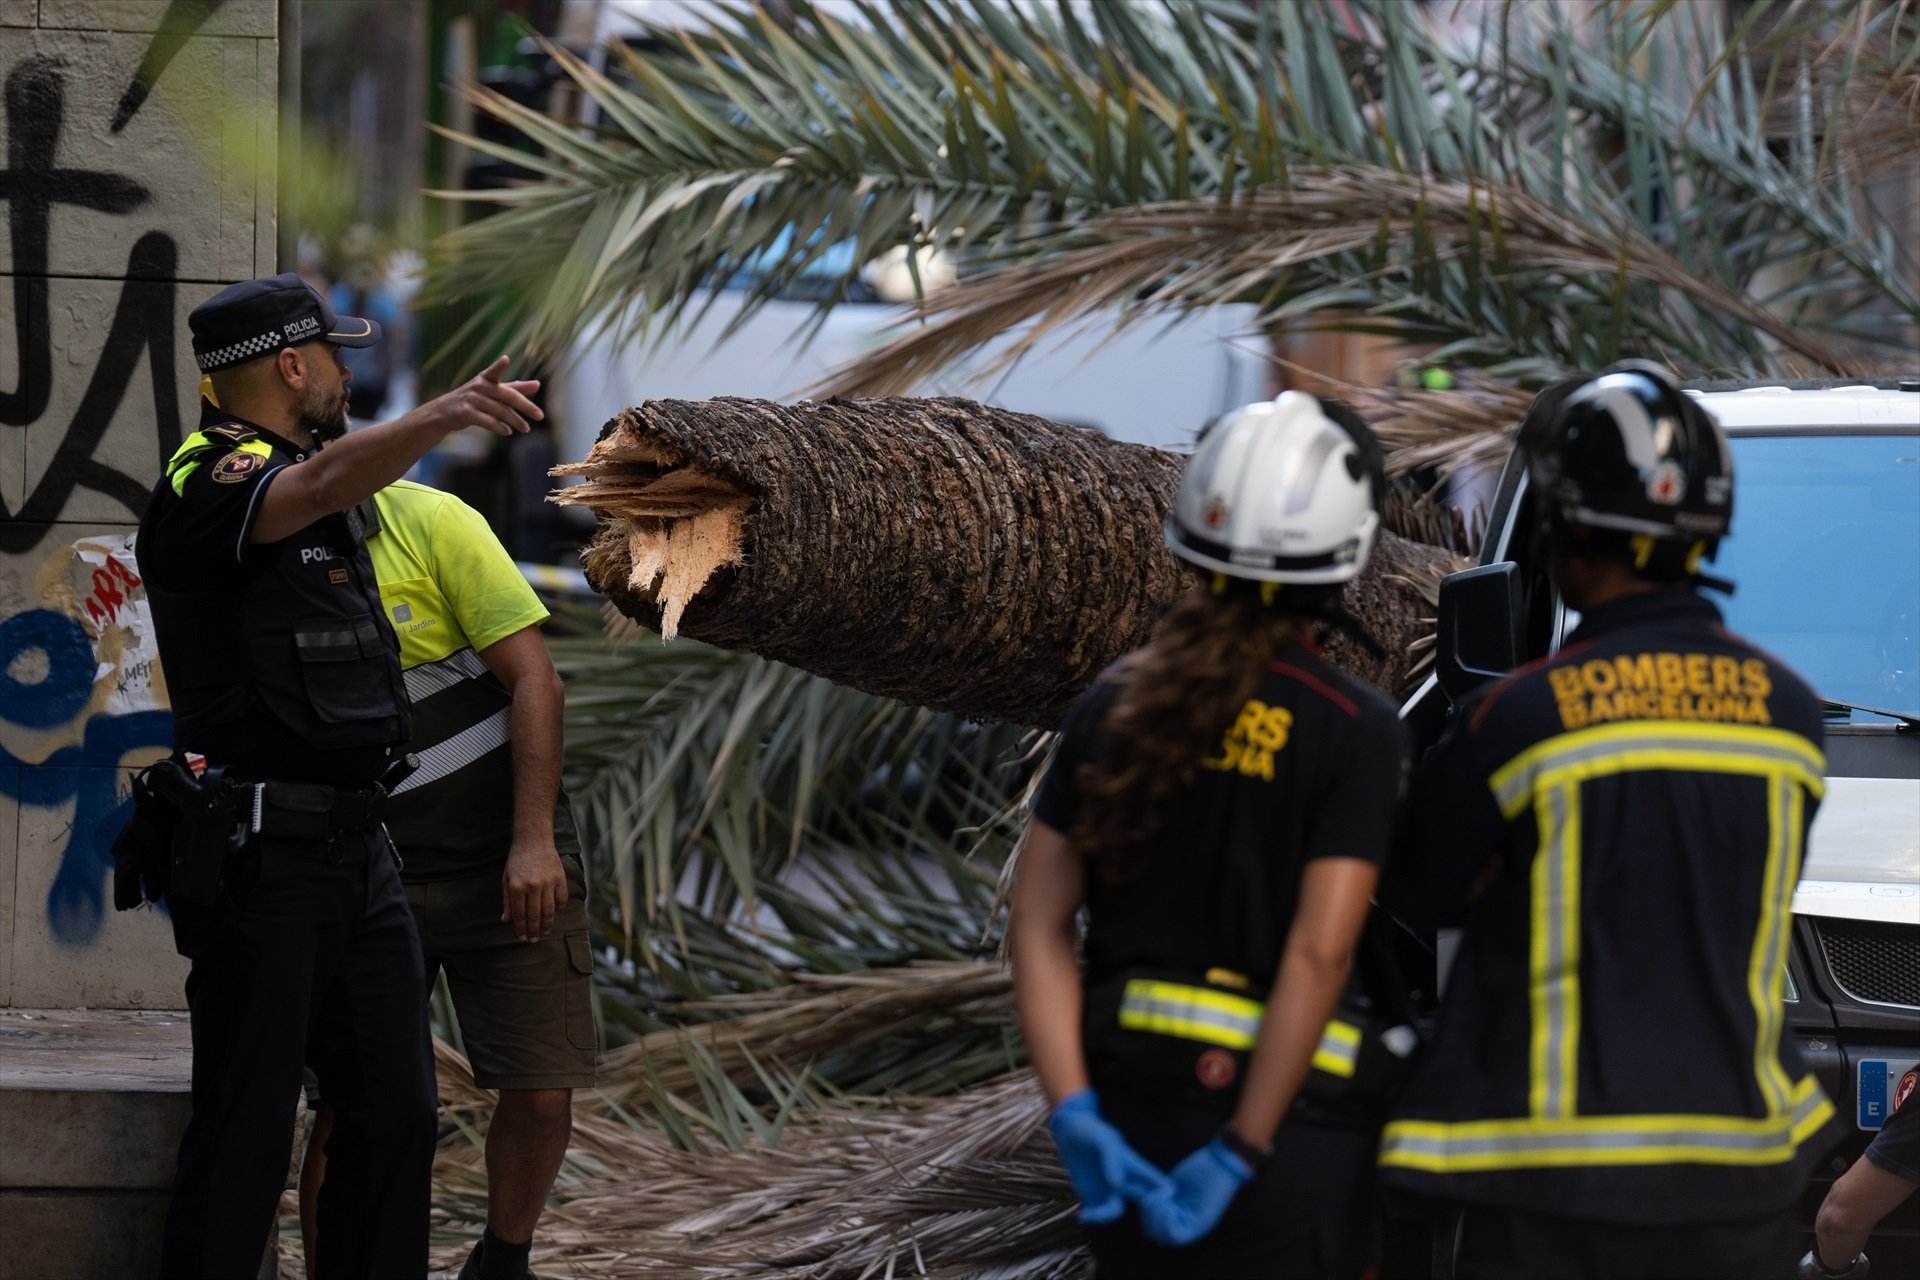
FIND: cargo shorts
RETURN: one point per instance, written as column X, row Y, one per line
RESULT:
column 525, row 1008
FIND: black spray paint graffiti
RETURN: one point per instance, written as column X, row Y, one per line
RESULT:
column 48, row 663
column 182, row 19
column 32, row 186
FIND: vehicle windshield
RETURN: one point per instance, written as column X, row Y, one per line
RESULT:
column 1826, row 555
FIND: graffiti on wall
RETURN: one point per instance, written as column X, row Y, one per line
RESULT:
column 82, row 672
column 81, row 694
column 33, row 185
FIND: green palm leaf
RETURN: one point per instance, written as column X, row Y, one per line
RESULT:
column 752, row 149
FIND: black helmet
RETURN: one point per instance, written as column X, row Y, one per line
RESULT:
column 1626, row 460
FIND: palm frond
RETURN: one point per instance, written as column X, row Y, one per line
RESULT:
column 1177, row 258
column 956, row 1187
column 767, row 153
column 698, row 776
column 815, row 1018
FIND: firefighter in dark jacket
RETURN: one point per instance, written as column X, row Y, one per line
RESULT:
column 290, row 709
column 1220, row 801
column 1617, row 831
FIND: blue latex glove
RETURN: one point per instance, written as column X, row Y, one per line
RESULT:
column 1198, row 1193
column 1105, row 1171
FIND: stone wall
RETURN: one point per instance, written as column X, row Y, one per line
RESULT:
column 137, row 146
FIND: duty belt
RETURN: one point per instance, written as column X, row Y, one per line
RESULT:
column 308, row 811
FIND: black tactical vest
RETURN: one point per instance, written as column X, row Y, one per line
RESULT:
column 280, row 663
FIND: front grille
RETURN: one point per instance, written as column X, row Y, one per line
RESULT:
column 1871, row 961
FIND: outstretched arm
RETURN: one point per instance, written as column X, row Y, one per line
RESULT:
column 357, row 466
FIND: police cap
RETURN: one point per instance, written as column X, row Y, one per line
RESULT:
column 258, row 317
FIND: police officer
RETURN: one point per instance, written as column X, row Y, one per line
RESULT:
column 1220, row 801
column 288, row 701
column 1618, row 830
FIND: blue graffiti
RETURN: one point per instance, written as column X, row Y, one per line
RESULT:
column 85, row 773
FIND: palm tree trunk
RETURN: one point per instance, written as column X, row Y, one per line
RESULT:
column 942, row 552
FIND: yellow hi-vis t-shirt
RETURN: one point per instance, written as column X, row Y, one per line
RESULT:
column 450, row 590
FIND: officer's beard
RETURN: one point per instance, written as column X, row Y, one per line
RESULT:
column 324, row 420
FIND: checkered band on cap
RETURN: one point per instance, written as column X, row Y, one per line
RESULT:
column 240, row 352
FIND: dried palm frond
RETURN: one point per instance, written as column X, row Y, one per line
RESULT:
column 1471, row 426
column 962, row 1186
column 812, row 1017
column 701, row 777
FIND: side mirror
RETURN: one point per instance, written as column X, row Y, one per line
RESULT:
column 1480, row 627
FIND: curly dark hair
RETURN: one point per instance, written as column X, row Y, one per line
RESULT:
column 1178, row 696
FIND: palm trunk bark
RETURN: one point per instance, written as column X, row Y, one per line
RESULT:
column 942, row 552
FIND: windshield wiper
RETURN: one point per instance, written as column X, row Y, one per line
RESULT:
column 1908, row 719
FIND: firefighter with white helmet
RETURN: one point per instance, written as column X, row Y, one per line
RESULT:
column 1220, row 802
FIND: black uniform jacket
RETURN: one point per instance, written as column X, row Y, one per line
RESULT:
column 279, row 659
column 1310, row 767
column 1618, row 829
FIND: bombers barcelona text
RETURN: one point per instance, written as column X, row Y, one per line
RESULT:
column 1662, row 686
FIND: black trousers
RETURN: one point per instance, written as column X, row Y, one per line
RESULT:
column 1310, row 1214
column 1500, row 1244
column 315, row 960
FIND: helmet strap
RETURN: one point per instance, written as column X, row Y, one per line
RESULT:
column 1642, row 544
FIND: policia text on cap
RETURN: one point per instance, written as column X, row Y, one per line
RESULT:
column 289, row 711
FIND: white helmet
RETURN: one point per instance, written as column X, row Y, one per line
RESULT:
column 1286, row 490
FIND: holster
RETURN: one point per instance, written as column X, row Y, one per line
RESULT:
column 177, row 843
column 205, row 840
column 143, row 851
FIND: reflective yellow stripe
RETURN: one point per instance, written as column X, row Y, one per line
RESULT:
column 1215, row 1017
column 1190, row 1013
column 1339, row 1049
column 1655, row 744
column 1481, row 1145
column 1766, row 967
column 1554, row 955
column 1548, row 776
column 1761, row 956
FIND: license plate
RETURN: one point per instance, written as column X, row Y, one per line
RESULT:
column 1880, row 1085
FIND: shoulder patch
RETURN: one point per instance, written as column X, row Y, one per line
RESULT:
column 237, row 466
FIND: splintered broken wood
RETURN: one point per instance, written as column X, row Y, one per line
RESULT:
column 943, row 552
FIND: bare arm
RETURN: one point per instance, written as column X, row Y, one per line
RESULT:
column 1334, row 894
column 355, row 467
column 1856, row 1203
column 534, row 884
column 1049, row 886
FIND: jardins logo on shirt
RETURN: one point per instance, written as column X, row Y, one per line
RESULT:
column 405, row 620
